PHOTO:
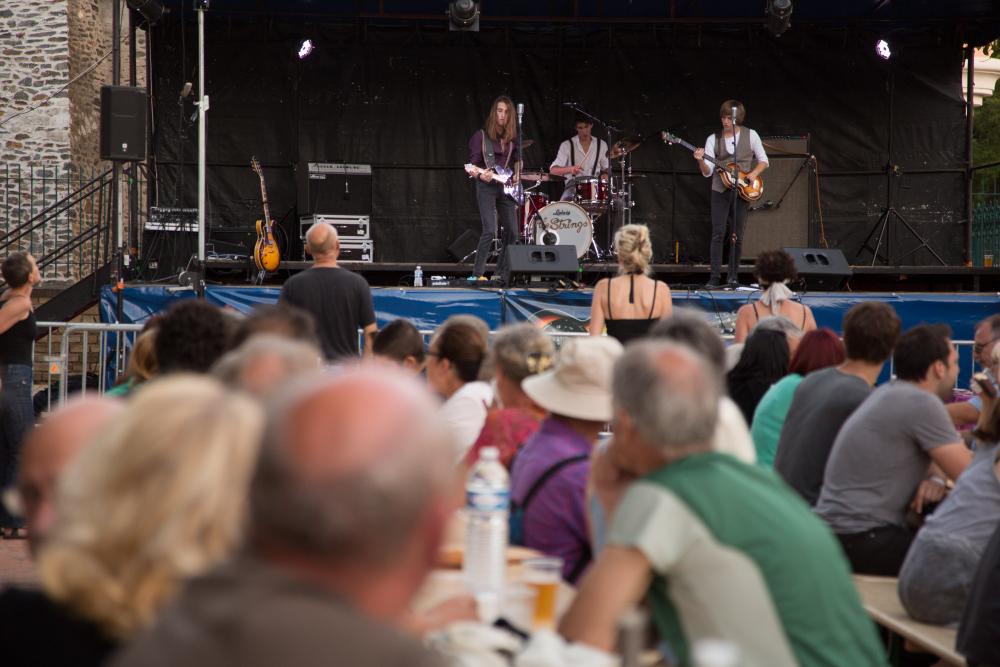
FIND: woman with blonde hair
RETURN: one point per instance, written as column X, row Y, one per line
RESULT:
column 631, row 302
column 138, row 512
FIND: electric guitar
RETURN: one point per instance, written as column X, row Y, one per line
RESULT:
column 266, row 254
column 500, row 175
column 732, row 176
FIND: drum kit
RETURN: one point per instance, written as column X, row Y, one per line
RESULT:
column 572, row 222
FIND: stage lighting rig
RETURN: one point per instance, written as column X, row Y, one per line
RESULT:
column 463, row 15
column 779, row 16
column 883, row 50
column 306, row 48
column 151, row 10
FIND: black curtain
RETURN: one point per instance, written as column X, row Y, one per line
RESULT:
column 406, row 98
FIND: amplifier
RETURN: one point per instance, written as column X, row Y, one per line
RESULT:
column 349, row 227
column 172, row 219
column 333, row 188
column 357, row 251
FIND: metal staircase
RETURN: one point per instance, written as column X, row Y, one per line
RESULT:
column 69, row 233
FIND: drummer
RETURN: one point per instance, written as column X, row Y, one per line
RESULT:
column 582, row 156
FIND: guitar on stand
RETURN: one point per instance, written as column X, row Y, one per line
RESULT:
column 266, row 254
column 732, row 176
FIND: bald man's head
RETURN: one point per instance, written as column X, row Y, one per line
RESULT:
column 350, row 467
column 322, row 241
column 49, row 450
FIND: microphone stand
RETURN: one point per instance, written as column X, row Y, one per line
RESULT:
column 734, row 196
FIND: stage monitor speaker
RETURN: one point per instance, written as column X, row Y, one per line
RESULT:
column 543, row 260
column 123, row 123
column 463, row 246
column 781, row 219
column 822, row 269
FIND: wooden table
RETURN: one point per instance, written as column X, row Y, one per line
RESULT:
column 880, row 599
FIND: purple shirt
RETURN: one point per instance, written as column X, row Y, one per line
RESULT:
column 476, row 152
column 555, row 522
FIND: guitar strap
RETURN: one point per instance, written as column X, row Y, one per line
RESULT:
column 488, row 156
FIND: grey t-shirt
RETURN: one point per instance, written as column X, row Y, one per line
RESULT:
column 880, row 457
column 970, row 511
column 821, row 404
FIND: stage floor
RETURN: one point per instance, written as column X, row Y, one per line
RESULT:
column 864, row 278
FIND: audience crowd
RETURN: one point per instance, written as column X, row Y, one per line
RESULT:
column 251, row 494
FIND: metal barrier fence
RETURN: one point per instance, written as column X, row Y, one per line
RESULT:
column 95, row 373
column 986, row 234
column 114, row 343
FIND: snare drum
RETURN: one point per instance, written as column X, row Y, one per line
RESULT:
column 592, row 194
column 564, row 223
column 533, row 203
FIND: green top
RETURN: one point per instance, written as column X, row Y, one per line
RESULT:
column 737, row 555
column 770, row 417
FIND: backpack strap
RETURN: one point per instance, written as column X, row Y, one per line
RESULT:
column 545, row 476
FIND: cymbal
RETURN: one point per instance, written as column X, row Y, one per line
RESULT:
column 542, row 176
column 624, row 147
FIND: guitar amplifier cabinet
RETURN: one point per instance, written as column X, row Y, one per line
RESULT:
column 357, row 251
column 349, row 227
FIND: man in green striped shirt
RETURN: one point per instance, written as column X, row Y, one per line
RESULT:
column 720, row 549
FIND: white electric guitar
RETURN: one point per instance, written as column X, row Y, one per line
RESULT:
column 498, row 174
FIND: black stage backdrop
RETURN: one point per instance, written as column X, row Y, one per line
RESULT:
column 406, row 99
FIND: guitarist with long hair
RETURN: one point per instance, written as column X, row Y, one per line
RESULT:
column 493, row 150
column 743, row 146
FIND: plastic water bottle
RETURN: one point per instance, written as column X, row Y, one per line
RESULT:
column 418, row 276
column 487, row 498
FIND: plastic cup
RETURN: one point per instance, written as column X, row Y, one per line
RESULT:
column 544, row 576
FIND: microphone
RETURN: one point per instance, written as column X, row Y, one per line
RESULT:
column 347, row 189
column 569, row 104
column 520, row 109
column 734, row 118
column 186, row 90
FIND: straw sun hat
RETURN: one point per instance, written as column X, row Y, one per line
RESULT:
column 579, row 385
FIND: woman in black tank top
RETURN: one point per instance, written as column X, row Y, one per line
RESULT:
column 17, row 338
column 634, row 252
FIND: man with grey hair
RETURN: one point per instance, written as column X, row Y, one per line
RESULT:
column 688, row 327
column 722, row 549
column 339, row 300
column 265, row 362
column 347, row 510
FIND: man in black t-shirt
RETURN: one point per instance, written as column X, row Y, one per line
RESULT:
column 340, row 301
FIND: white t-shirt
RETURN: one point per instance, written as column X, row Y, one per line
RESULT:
column 731, row 433
column 755, row 145
column 465, row 414
column 584, row 158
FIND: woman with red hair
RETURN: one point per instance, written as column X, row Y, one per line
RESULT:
column 818, row 349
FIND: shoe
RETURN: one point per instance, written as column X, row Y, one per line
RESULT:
column 476, row 279
column 733, row 284
column 713, row 283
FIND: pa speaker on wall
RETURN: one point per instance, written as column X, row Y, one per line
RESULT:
column 123, row 123
column 543, row 260
column 822, row 269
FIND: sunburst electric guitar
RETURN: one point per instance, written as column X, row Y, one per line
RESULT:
column 266, row 254
column 732, row 176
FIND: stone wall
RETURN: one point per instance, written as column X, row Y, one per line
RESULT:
column 45, row 152
column 34, row 43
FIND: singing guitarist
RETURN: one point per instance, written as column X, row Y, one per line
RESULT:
column 729, row 212
column 495, row 145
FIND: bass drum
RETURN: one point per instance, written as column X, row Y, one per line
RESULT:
column 564, row 223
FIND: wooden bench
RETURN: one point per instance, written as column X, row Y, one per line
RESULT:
column 880, row 599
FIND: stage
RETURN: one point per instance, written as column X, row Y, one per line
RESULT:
column 865, row 278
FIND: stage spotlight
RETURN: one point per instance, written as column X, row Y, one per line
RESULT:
column 306, row 48
column 779, row 16
column 151, row 10
column 463, row 15
column 882, row 49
